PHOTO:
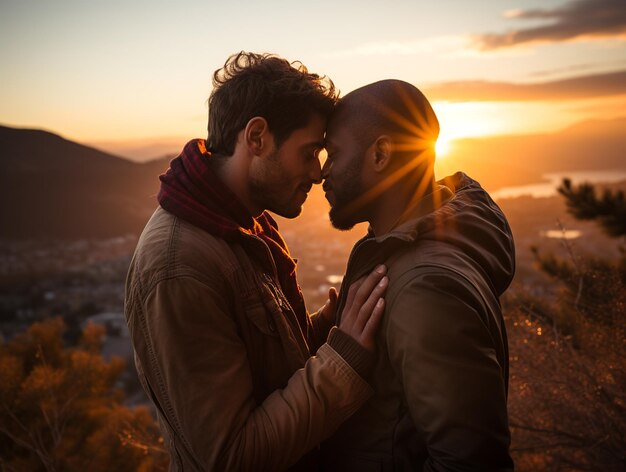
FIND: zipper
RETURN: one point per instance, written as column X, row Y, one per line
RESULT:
column 283, row 303
column 274, row 283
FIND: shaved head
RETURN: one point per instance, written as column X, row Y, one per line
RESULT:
column 381, row 154
column 394, row 108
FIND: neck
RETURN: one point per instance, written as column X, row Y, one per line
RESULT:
column 234, row 172
column 392, row 204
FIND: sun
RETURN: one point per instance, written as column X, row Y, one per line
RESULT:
column 442, row 147
column 470, row 120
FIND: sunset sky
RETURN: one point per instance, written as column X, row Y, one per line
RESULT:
column 127, row 73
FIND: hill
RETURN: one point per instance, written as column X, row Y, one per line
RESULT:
column 54, row 188
column 51, row 187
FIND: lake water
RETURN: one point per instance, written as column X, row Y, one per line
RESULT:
column 561, row 234
column 553, row 181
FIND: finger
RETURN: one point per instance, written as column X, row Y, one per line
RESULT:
column 330, row 307
column 332, row 298
column 366, row 310
column 369, row 284
column 373, row 323
column 326, row 310
column 352, row 292
column 333, row 295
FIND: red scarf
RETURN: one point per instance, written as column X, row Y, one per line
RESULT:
column 193, row 192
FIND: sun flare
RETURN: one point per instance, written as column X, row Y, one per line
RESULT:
column 442, row 148
column 465, row 120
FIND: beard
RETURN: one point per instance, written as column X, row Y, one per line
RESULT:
column 269, row 188
column 342, row 214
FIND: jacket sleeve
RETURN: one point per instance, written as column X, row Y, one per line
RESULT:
column 454, row 387
column 201, row 376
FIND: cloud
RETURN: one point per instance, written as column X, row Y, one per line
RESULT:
column 577, row 19
column 595, row 67
column 588, row 86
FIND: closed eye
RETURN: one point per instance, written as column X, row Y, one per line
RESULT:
column 312, row 154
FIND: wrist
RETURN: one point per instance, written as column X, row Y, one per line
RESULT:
column 359, row 358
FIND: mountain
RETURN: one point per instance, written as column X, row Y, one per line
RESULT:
column 142, row 150
column 54, row 188
column 502, row 161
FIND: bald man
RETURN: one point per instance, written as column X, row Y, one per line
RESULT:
column 442, row 371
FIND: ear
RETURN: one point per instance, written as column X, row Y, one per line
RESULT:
column 382, row 150
column 257, row 135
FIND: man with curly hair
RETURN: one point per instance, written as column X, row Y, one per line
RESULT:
column 242, row 377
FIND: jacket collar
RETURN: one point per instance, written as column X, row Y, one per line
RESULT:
column 406, row 227
column 460, row 214
column 378, row 248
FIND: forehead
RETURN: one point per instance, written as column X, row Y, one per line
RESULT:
column 311, row 134
column 340, row 130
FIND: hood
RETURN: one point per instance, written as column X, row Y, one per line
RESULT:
column 471, row 221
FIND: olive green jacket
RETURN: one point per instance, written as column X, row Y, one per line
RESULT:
column 222, row 357
column 441, row 377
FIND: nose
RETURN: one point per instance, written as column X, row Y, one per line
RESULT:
column 326, row 169
column 316, row 172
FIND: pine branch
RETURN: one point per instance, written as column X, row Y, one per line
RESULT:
column 609, row 211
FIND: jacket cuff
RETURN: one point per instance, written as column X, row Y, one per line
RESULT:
column 357, row 357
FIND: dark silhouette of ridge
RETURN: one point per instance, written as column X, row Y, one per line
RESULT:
column 51, row 187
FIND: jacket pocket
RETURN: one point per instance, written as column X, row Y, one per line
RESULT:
column 261, row 319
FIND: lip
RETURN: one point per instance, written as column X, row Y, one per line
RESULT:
column 304, row 190
column 328, row 193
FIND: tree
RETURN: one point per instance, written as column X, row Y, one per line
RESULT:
column 60, row 408
column 568, row 383
column 609, row 210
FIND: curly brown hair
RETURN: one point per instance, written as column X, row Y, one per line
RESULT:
column 265, row 85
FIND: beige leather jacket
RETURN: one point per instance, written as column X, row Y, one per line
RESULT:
column 236, row 383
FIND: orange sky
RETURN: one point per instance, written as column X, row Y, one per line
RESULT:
column 133, row 77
